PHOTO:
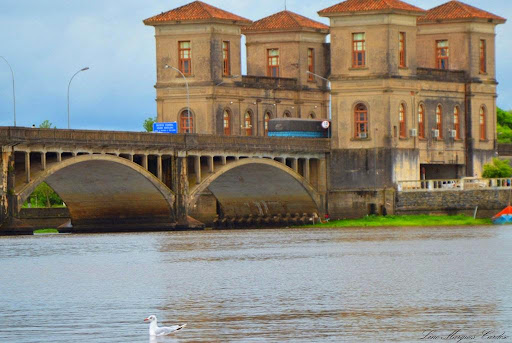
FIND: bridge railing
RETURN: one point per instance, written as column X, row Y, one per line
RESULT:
column 453, row 184
column 13, row 135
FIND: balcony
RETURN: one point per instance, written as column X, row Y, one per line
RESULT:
column 441, row 75
column 266, row 82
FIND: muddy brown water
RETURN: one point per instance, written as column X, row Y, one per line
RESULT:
column 304, row 285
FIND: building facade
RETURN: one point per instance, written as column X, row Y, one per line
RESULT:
column 412, row 92
column 202, row 44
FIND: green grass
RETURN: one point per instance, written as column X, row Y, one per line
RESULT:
column 46, row 231
column 412, row 220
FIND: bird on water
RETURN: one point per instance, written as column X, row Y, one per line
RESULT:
column 155, row 330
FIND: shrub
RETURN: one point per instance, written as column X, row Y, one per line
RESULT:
column 498, row 168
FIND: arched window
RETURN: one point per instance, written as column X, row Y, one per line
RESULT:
column 186, row 122
column 287, row 114
column 248, row 123
column 227, row 122
column 421, row 121
column 456, row 122
column 361, row 121
column 266, row 119
column 483, row 135
column 439, row 120
column 311, row 115
column 401, row 117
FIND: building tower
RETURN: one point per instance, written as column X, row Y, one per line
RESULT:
column 373, row 65
column 203, row 42
column 457, row 36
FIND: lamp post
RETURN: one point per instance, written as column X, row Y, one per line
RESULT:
column 323, row 78
column 13, row 93
column 186, row 84
column 83, row 69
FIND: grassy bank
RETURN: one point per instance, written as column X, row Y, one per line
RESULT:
column 46, row 231
column 412, row 220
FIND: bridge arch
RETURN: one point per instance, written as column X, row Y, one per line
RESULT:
column 259, row 186
column 105, row 191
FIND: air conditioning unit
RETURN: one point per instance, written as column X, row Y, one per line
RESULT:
column 414, row 132
column 453, row 134
column 363, row 135
column 435, row 133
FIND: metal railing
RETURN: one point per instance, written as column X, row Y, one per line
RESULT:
column 453, row 184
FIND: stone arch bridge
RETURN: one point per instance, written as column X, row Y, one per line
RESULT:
column 121, row 181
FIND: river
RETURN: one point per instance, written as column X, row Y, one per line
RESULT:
column 303, row 285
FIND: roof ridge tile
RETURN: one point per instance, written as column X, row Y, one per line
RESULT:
column 196, row 10
column 352, row 6
column 284, row 21
column 457, row 10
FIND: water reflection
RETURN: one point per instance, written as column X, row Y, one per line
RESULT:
column 350, row 285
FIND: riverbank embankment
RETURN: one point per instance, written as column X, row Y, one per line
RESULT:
column 406, row 220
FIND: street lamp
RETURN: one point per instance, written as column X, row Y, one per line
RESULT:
column 323, row 78
column 186, row 84
column 83, row 69
column 13, row 93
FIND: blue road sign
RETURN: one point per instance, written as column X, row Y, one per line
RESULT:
column 171, row 127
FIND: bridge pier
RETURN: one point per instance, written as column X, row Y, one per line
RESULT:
column 197, row 168
column 8, row 203
column 43, row 160
column 210, row 164
column 295, row 165
column 306, row 169
column 179, row 186
column 27, row 167
column 159, row 167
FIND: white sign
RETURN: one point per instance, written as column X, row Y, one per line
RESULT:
column 326, row 124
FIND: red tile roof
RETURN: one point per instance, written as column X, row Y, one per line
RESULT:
column 196, row 10
column 456, row 10
column 285, row 21
column 350, row 6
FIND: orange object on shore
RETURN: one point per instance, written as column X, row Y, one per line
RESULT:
column 506, row 210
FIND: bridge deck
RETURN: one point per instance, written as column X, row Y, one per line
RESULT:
column 184, row 142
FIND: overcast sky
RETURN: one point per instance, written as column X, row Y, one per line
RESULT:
column 46, row 42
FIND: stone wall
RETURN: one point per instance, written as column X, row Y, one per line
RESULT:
column 359, row 169
column 357, row 204
column 42, row 218
column 489, row 202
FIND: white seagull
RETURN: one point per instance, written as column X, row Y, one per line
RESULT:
column 154, row 330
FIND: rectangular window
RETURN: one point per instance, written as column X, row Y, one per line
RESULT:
column 185, row 59
column 358, row 50
column 311, row 64
column 483, row 57
column 273, row 62
column 443, row 54
column 361, row 121
column 225, row 57
column 401, row 47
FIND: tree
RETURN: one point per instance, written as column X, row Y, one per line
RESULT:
column 46, row 125
column 44, row 194
column 504, row 127
column 148, row 124
column 497, row 169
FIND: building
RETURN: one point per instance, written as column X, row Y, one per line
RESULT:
column 203, row 43
column 413, row 91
